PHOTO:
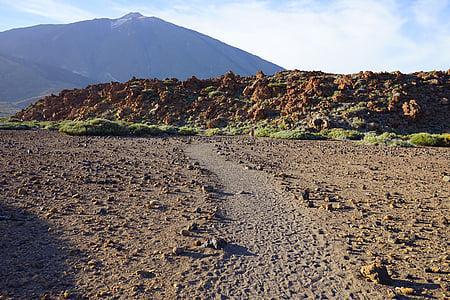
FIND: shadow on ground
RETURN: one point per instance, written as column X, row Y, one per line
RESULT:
column 32, row 260
column 417, row 286
column 236, row 250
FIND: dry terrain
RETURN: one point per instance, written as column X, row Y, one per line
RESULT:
column 219, row 218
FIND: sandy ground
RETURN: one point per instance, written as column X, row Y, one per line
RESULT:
column 120, row 218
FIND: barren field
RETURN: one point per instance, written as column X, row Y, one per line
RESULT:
column 219, row 218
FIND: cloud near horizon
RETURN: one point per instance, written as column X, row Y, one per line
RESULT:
column 342, row 36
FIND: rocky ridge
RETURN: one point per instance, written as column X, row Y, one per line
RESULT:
column 289, row 99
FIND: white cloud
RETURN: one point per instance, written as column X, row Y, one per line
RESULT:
column 339, row 36
column 335, row 35
column 52, row 9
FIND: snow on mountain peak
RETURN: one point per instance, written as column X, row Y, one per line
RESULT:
column 128, row 17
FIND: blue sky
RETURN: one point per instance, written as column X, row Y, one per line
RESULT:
column 331, row 35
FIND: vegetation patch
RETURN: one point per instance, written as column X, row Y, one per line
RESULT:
column 14, row 126
column 139, row 129
column 296, row 135
column 210, row 89
column 386, row 138
column 265, row 131
column 212, row 132
column 95, row 127
column 277, row 85
column 104, row 127
column 427, row 139
column 342, row 134
column 188, row 130
column 168, row 129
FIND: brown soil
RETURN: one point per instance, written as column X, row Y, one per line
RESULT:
column 291, row 99
column 88, row 217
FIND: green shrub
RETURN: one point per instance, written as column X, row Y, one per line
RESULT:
column 212, row 132
column 427, row 139
column 74, row 128
column 277, row 85
column 168, row 129
column 230, row 130
column 357, row 123
column 214, row 94
column 188, row 130
column 95, row 127
column 210, row 89
column 265, row 131
column 51, row 125
column 14, row 126
column 342, row 134
column 386, row 138
column 139, row 129
column 295, row 135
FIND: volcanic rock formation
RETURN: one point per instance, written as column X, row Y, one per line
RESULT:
column 289, row 99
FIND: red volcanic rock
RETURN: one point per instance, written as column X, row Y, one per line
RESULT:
column 291, row 98
column 411, row 109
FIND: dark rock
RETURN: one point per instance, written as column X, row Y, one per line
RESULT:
column 215, row 243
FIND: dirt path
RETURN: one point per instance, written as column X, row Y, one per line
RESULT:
column 277, row 250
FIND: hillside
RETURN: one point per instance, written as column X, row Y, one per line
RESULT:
column 290, row 99
column 105, row 50
column 21, row 79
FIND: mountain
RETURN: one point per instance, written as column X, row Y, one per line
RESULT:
column 21, row 80
column 105, row 50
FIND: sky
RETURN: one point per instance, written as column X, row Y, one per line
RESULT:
column 340, row 36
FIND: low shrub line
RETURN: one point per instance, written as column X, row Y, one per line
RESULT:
column 102, row 127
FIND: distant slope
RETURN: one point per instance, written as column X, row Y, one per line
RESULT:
column 134, row 45
column 21, row 80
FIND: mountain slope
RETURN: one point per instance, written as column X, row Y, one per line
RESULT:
column 134, row 45
column 21, row 80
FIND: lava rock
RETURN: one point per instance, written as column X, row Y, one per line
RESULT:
column 376, row 272
column 215, row 243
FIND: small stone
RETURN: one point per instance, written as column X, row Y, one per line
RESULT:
column 446, row 178
column 207, row 189
column 177, row 250
column 102, row 211
column 327, row 206
column 184, row 232
column 198, row 210
column 242, row 193
column 192, row 227
column 388, row 218
column 405, row 290
column 67, row 294
column 305, row 195
column 215, row 243
column 155, row 204
column 146, row 274
column 330, row 199
column 177, row 286
column 376, row 272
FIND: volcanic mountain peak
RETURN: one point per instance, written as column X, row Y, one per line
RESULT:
column 116, row 49
column 133, row 15
column 127, row 18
